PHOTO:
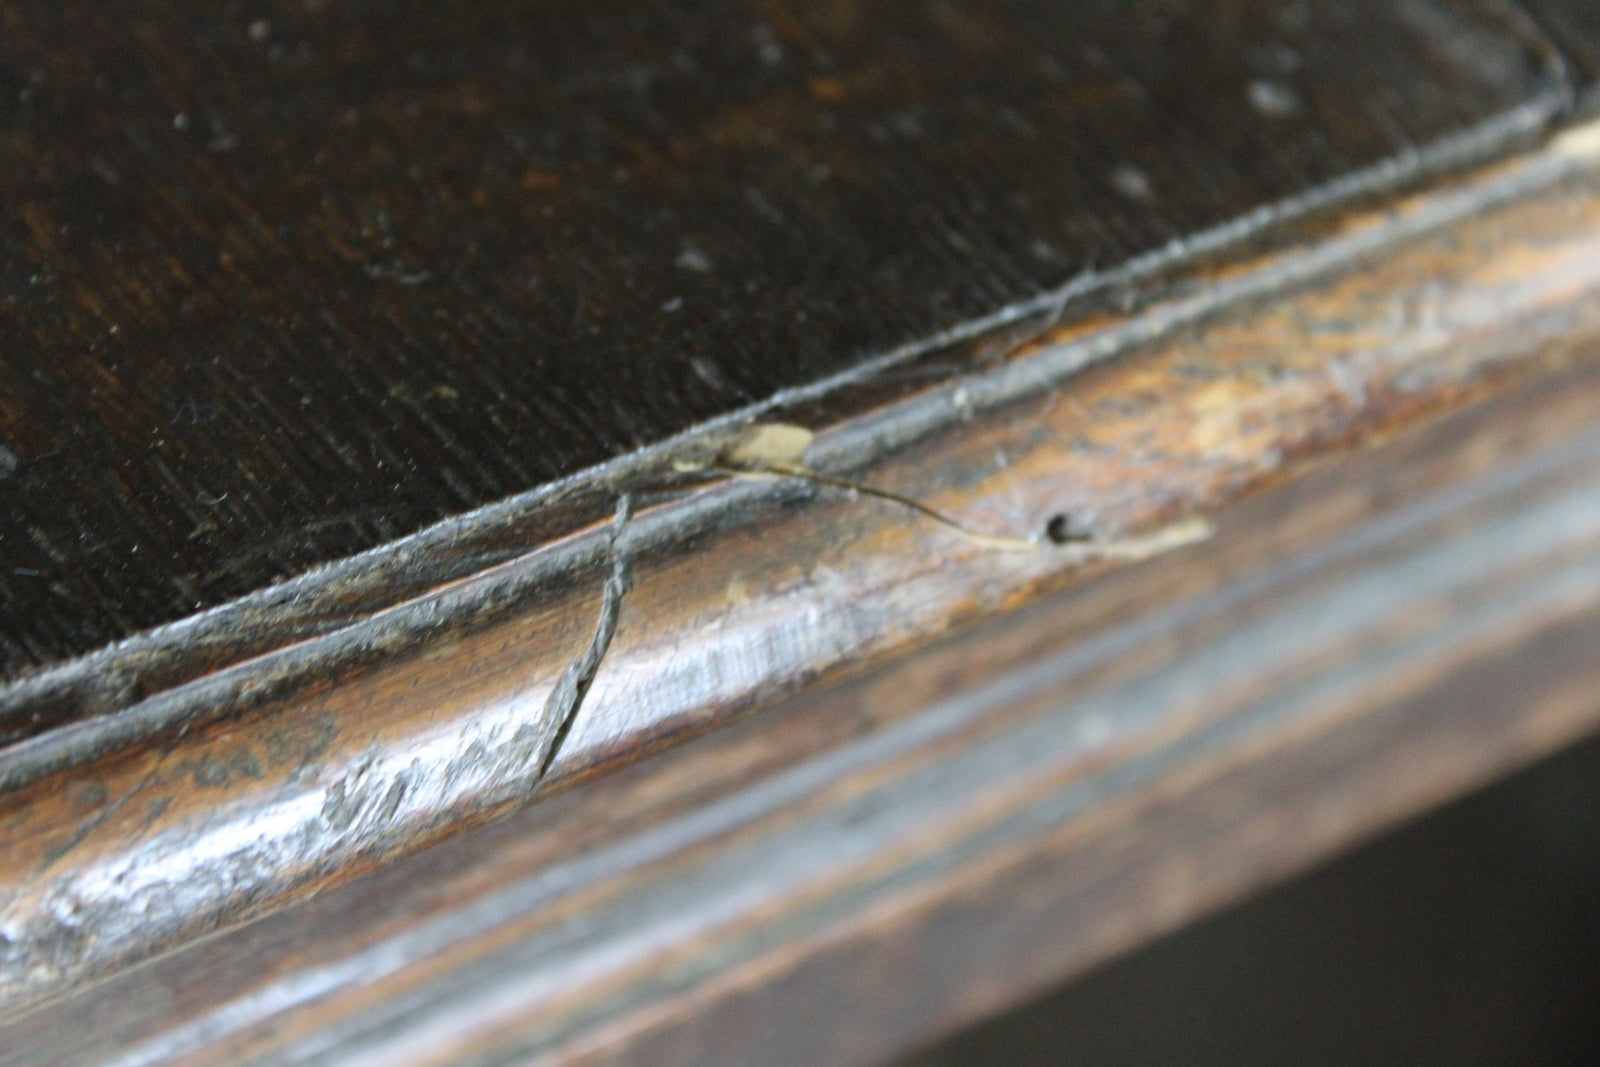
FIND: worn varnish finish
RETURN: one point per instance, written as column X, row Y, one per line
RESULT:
column 848, row 874
column 286, row 281
column 359, row 756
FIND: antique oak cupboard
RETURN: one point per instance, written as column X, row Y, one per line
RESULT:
column 738, row 531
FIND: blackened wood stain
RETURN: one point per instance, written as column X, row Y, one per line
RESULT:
column 282, row 282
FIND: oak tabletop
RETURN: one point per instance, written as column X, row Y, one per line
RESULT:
column 287, row 283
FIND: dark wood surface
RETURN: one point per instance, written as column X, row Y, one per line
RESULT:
column 286, row 282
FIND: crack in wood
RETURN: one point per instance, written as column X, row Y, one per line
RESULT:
column 566, row 699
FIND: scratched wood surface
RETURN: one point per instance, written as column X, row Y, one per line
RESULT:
column 291, row 283
column 288, row 281
column 293, row 775
column 846, row 875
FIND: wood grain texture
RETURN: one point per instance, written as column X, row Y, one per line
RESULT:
column 850, row 873
column 280, row 780
column 290, row 281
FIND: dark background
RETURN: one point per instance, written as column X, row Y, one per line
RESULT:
column 1471, row 936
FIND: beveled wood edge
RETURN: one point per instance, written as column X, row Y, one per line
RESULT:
column 153, row 845
column 854, row 871
column 282, row 634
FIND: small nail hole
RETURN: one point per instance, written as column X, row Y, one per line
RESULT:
column 1060, row 532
